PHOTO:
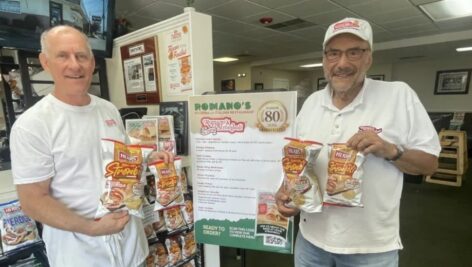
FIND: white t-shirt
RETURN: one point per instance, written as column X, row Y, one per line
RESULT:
column 393, row 110
column 61, row 142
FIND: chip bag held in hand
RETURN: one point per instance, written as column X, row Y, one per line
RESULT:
column 344, row 176
column 123, row 183
column 300, row 180
column 17, row 230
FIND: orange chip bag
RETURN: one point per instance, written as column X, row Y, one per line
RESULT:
column 123, row 185
column 343, row 186
column 168, row 183
column 300, row 180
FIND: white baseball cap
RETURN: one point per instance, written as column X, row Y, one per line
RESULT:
column 358, row 27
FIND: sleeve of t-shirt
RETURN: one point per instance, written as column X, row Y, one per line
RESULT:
column 31, row 157
column 422, row 134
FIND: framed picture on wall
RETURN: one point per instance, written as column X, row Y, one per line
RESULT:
column 322, row 82
column 228, row 85
column 452, row 82
column 258, row 86
column 379, row 77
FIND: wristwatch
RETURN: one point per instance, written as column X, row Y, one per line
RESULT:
column 399, row 154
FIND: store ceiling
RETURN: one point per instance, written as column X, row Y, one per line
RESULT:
column 401, row 30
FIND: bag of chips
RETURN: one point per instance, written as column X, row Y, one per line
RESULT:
column 123, row 181
column 300, row 180
column 16, row 229
column 189, row 247
column 162, row 256
column 187, row 209
column 168, row 183
column 175, row 251
column 173, row 218
column 343, row 186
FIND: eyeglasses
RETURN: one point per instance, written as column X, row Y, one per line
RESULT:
column 352, row 54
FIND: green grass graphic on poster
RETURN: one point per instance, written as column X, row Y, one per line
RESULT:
column 240, row 234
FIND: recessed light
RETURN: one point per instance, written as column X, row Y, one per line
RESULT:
column 447, row 9
column 313, row 65
column 225, row 59
column 464, row 49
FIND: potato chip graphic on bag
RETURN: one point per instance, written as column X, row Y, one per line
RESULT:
column 343, row 186
column 300, row 181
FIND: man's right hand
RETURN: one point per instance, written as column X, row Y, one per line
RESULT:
column 111, row 223
column 281, row 199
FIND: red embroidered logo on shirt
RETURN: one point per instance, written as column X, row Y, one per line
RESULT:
column 110, row 122
column 370, row 128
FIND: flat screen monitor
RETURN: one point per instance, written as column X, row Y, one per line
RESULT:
column 23, row 21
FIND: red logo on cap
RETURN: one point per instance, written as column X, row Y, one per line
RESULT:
column 347, row 24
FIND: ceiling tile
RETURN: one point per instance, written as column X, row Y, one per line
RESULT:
column 275, row 15
column 260, row 32
column 160, row 11
column 276, row 3
column 326, row 19
column 394, row 15
column 236, row 29
column 364, row 9
column 347, row 3
column 125, row 8
column 199, row 5
column 311, row 33
column 307, row 9
column 408, row 22
column 237, row 9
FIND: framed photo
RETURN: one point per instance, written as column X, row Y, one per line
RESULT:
column 452, row 82
column 258, row 86
column 379, row 77
column 178, row 109
column 322, row 82
column 228, row 85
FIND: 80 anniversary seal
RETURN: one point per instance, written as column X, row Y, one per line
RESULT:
column 272, row 117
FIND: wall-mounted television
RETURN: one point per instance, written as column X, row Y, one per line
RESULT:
column 23, row 21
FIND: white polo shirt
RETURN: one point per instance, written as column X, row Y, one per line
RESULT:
column 394, row 111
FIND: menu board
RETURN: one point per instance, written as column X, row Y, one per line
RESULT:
column 236, row 147
column 179, row 66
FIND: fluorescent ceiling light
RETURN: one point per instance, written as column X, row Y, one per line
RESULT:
column 313, row 65
column 448, row 9
column 464, row 49
column 225, row 59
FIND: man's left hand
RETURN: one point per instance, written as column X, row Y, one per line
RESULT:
column 369, row 142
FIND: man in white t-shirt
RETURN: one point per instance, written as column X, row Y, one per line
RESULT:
column 57, row 162
column 388, row 124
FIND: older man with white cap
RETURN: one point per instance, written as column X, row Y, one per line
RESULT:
column 387, row 123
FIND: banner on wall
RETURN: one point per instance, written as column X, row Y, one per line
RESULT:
column 236, row 147
column 178, row 66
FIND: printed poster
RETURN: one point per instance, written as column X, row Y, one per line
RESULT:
column 236, row 147
column 133, row 75
column 179, row 70
column 149, row 73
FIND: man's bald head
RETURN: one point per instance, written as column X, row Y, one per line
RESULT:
column 61, row 29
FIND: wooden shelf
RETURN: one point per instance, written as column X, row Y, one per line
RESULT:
column 452, row 159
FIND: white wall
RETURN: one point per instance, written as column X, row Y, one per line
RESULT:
column 421, row 76
column 230, row 71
